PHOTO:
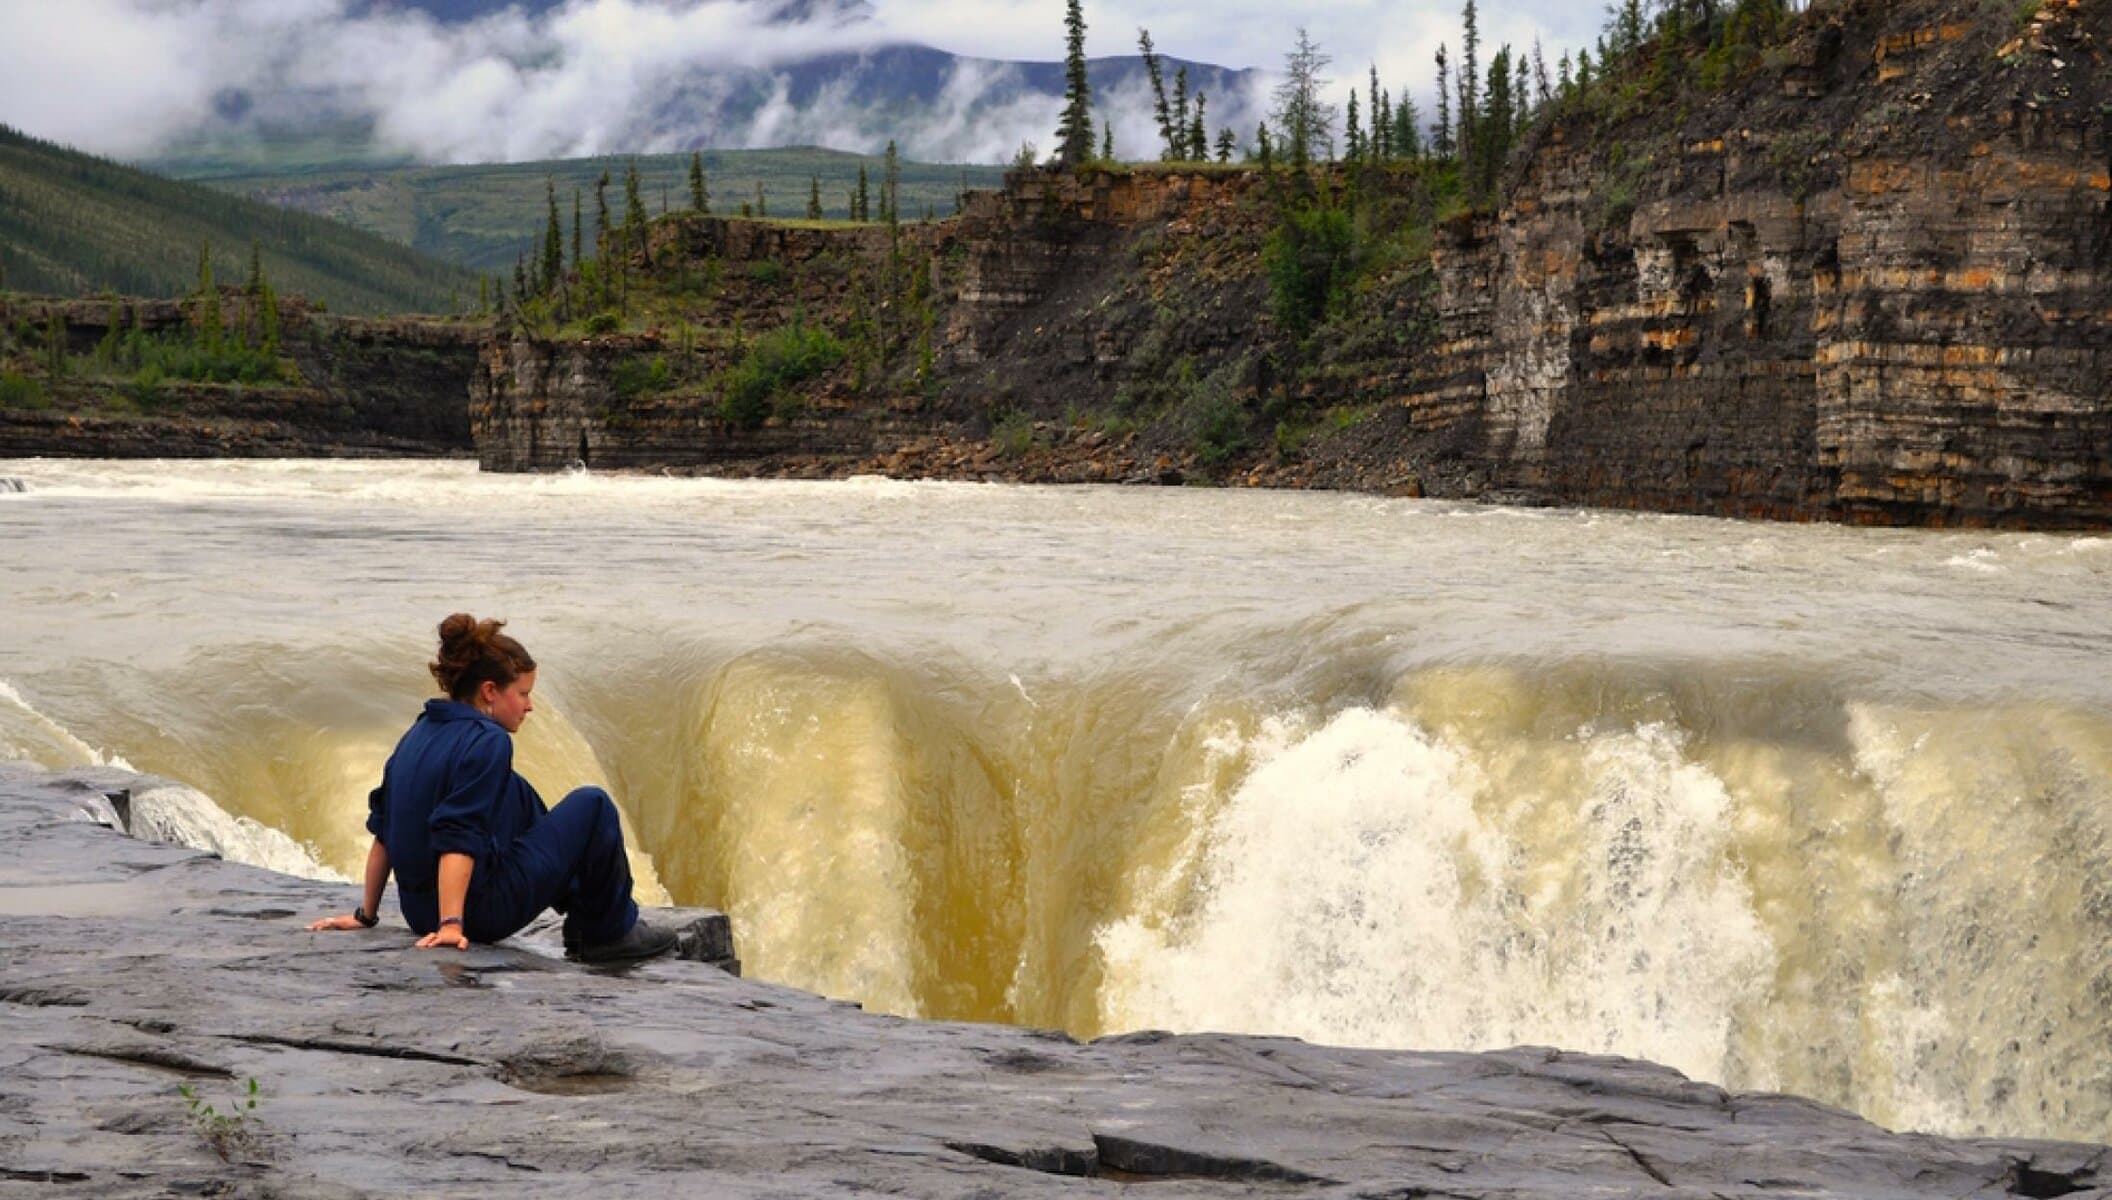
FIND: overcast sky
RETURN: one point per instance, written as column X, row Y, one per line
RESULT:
column 123, row 77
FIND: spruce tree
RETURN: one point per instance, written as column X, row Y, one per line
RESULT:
column 1074, row 133
column 1177, row 150
column 1352, row 131
column 1107, row 141
column 1160, row 110
column 253, row 290
column 699, row 192
column 1492, row 141
column 1226, row 144
column 209, row 325
column 814, row 198
column 762, row 203
column 1469, row 85
column 553, row 242
column 579, row 261
column 268, row 316
column 602, row 248
column 1441, row 133
column 1407, row 128
column 1381, row 118
column 1304, row 118
column 1521, row 96
column 891, row 185
column 1198, row 133
column 634, row 218
column 55, row 361
column 107, row 350
column 1629, row 27
column 862, row 200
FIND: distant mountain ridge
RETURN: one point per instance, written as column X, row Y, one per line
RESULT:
column 854, row 89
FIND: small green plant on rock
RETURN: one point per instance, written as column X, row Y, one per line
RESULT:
column 1014, row 435
column 20, row 391
column 230, row 1133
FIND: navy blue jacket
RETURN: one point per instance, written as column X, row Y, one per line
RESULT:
column 448, row 789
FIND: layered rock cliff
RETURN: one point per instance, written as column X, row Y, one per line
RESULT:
column 1874, row 285
column 363, row 387
column 1869, row 279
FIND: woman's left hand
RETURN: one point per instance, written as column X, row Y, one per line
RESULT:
column 346, row 921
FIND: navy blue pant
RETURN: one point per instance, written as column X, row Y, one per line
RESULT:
column 572, row 860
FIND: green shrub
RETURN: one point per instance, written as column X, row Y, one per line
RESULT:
column 1219, row 427
column 778, row 359
column 1310, row 257
column 185, row 358
column 21, row 391
column 1014, row 435
column 604, row 322
column 145, row 388
column 636, row 377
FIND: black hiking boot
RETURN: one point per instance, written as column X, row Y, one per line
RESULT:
column 642, row 942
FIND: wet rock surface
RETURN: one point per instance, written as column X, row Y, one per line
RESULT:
column 129, row 970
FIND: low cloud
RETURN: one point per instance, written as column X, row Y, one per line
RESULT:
column 133, row 77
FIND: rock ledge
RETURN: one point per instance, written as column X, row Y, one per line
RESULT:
column 129, row 969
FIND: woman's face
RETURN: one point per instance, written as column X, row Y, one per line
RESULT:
column 509, row 705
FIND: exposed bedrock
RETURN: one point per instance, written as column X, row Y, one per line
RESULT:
column 129, row 969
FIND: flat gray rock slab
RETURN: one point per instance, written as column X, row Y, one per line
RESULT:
column 129, row 970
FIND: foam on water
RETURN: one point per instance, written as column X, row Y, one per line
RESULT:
column 1363, row 885
column 188, row 817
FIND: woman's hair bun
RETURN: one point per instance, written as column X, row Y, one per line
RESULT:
column 472, row 651
column 457, row 627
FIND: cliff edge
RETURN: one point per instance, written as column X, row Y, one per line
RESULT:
column 142, row 983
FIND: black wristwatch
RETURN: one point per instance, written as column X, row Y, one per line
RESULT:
column 364, row 917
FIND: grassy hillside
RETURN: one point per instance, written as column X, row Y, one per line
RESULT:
column 72, row 224
column 485, row 216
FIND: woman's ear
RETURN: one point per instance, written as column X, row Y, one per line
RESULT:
column 487, row 694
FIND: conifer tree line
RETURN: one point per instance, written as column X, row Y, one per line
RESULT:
column 1483, row 103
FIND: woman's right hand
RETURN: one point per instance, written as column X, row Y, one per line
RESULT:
column 345, row 921
column 446, row 935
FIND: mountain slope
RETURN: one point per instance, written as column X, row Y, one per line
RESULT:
column 73, row 224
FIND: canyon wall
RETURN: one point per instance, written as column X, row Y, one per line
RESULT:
column 367, row 387
column 1904, row 321
column 1868, row 280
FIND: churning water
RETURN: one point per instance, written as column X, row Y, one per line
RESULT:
column 1815, row 809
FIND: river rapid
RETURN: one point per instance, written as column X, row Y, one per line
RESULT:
column 1803, row 808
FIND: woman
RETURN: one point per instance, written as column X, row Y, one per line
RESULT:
column 475, row 854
